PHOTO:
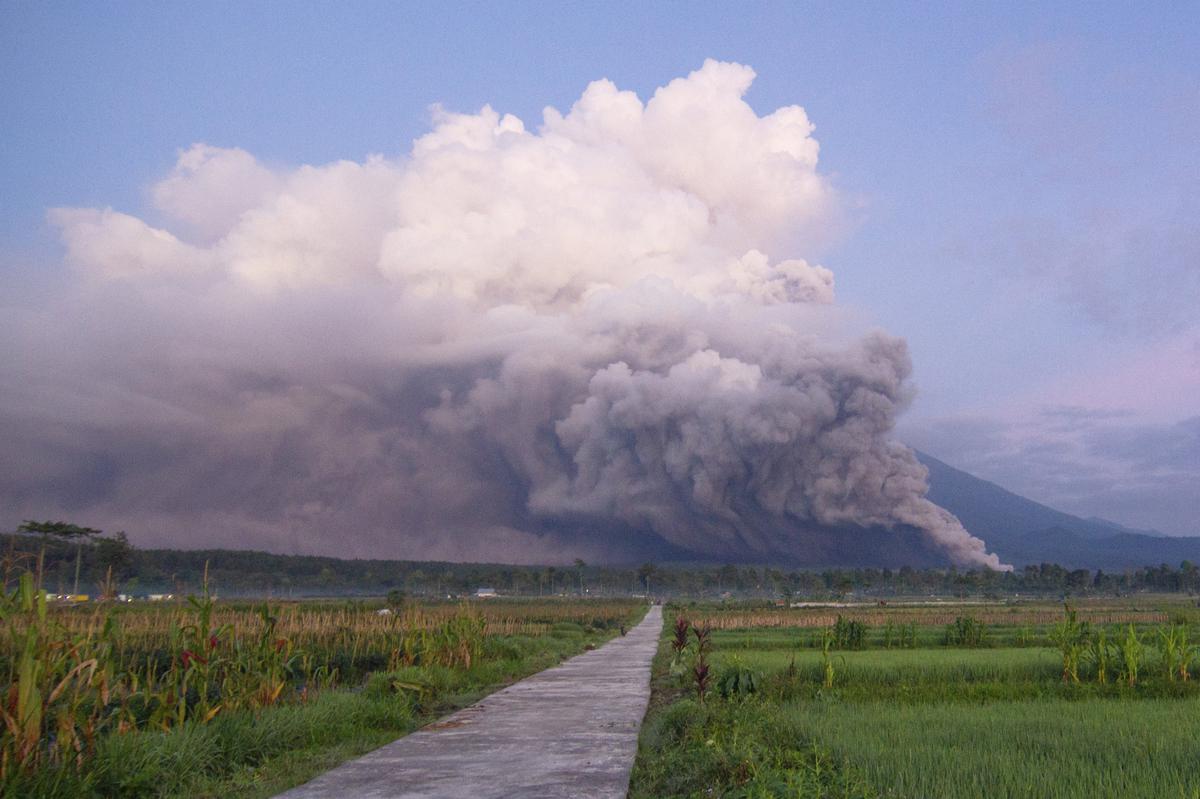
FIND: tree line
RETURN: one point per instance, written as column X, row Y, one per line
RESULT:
column 79, row 559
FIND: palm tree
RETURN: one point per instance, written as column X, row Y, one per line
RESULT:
column 579, row 564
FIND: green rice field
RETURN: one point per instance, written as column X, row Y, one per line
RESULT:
column 786, row 713
column 1025, row 748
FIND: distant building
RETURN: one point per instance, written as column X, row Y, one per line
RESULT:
column 485, row 593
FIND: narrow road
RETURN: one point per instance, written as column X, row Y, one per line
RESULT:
column 569, row 731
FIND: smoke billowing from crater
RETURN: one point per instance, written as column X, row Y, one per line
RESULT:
column 595, row 339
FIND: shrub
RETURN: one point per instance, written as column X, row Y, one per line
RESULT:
column 736, row 680
column 736, row 750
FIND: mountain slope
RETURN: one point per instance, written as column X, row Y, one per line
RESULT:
column 1022, row 531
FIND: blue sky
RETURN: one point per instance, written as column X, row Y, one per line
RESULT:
column 1020, row 182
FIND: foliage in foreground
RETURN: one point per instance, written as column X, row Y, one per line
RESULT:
column 260, row 752
column 211, row 680
column 179, row 762
column 738, row 750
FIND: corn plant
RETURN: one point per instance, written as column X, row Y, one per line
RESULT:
column 59, row 685
column 25, row 708
column 1098, row 652
column 1131, row 649
column 1188, row 655
column 458, row 641
column 849, row 633
column 1176, row 653
column 966, row 631
column 1070, row 636
column 827, row 662
column 267, row 663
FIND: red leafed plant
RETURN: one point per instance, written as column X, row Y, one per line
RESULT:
column 681, row 635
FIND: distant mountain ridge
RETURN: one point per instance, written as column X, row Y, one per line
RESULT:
column 1120, row 528
column 1022, row 531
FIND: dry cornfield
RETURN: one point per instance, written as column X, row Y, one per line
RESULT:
column 76, row 674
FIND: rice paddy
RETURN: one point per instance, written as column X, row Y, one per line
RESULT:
column 1026, row 748
column 1049, row 704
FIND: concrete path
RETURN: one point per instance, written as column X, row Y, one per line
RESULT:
column 569, row 731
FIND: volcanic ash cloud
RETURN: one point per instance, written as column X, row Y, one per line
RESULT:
column 480, row 350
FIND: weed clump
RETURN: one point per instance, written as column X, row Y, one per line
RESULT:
column 736, row 680
column 735, row 749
